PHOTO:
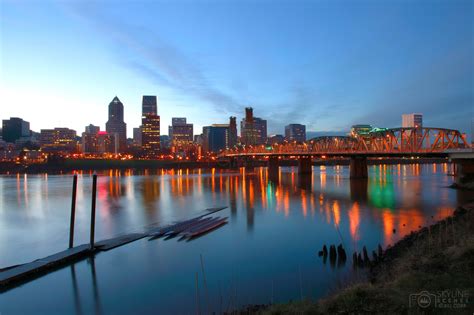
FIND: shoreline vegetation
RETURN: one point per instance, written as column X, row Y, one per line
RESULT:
column 70, row 165
column 436, row 261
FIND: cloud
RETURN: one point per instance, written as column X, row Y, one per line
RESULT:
column 443, row 90
column 146, row 53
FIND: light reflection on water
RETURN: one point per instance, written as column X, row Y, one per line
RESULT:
column 274, row 231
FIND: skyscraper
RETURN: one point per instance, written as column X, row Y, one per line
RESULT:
column 149, row 105
column 116, row 125
column 180, row 132
column 295, row 132
column 15, row 128
column 414, row 120
column 151, row 135
column 253, row 130
column 232, row 132
column 216, row 137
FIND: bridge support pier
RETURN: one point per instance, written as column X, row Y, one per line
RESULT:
column 233, row 164
column 464, row 173
column 248, row 165
column 358, row 167
column 305, row 165
column 273, row 168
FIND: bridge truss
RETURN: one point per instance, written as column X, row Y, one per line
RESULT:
column 403, row 141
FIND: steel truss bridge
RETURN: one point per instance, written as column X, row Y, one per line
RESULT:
column 390, row 142
column 397, row 142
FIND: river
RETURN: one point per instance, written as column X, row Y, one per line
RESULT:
column 267, row 252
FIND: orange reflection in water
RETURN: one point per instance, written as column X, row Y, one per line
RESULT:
column 337, row 213
column 354, row 221
column 303, row 203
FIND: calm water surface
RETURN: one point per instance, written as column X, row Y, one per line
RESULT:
column 267, row 252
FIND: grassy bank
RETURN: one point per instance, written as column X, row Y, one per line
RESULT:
column 438, row 259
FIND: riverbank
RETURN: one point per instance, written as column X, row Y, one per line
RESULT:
column 429, row 270
column 68, row 166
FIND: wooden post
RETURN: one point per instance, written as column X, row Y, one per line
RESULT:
column 94, row 193
column 73, row 211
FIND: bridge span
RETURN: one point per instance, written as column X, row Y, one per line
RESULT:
column 397, row 142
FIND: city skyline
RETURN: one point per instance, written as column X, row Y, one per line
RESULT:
column 365, row 67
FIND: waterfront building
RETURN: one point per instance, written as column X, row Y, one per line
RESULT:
column 116, row 125
column 253, row 130
column 95, row 141
column 295, row 132
column 360, row 130
column 180, row 132
column 137, row 136
column 232, row 132
column 15, row 128
column 58, row 140
column 414, row 120
column 276, row 139
column 151, row 135
column 215, row 137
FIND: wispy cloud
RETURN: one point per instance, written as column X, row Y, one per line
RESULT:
column 143, row 51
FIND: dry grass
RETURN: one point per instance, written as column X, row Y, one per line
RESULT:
column 437, row 258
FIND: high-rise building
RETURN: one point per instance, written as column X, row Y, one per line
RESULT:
column 295, row 132
column 180, row 132
column 232, row 132
column 215, row 137
column 149, row 105
column 89, row 139
column 253, row 130
column 414, row 120
column 116, row 125
column 58, row 140
column 95, row 141
column 137, row 136
column 151, row 135
column 14, row 128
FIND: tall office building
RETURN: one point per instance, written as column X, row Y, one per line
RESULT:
column 232, row 132
column 215, row 137
column 151, row 135
column 15, row 128
column 116, row 125
column 180, row 132
column 137, row 136
column 95, row 141
column 414, row 120
column 295, row 132
column 149, row 105
column 253, row 130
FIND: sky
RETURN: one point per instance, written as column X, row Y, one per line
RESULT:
column 325, row 64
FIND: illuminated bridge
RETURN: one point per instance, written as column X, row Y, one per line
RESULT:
column 397, row 142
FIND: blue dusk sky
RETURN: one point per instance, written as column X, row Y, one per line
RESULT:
column 326, row 64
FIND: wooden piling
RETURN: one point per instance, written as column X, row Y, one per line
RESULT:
column 73, row 212
column 94, row 194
